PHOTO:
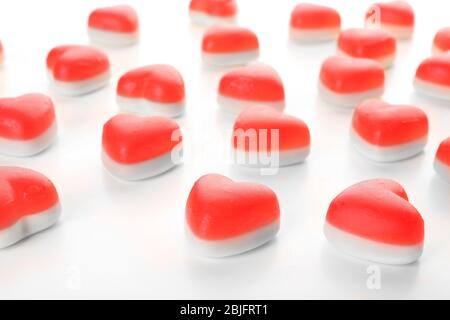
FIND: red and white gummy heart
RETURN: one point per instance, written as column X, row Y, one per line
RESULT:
column 384, row 132
column 260, row 132
column 116, row 26
column 156, row 90
column 208, row 12
column 433, row 76
column 77, row 70
column 441, row 42
column 253, row 84
column 396, row 17
column 346, row 81
column 442, row 160
column 373, row 44
column 225, row 218
column 311, row 23
column 29, row 203
column 136, row 148
column 27, row 124
column 374, row 220
column 229, row 45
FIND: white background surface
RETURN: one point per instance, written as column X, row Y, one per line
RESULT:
column 126, row 240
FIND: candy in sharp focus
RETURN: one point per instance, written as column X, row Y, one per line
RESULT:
column 346, row 81
column 225, row 218
column 27, row 124
column 441, row 42
column 263, row 131
column 116, row 26
column 77, row 70
column 384, row 132
column 396, row 17
column 29, row 203
column 442, row 160
column 375, row 44
column 209, row 12
column 374, row 220
column 152, row 90
column 314, row 23
column 256, row 83
column 229, row 46
column 433, row 76
column 136, row 147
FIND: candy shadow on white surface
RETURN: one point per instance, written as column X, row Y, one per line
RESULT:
column 227, row 276
column 439, row 196
column 360, row 163
column 33, row 236
column 118, row 186
column 424, row 101
column 351, row 274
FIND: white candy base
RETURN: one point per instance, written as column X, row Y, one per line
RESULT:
column 29, row 225
column 146, row 107
column 372, row 250
column 204, row 19
column 142, row 170
column 400, row 33
column 229, row 59
column 348, row 100
column 114, row 39
column 78, row 88
column 233, row 246
column 313, row 35
column 387, row 154
column 386, row 61
column 266, row 160
column 442, row 170
column 433, row 90
column 26, row 148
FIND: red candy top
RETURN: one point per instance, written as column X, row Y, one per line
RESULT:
column 442, row 39
column 1, row 50
column 76, row 62
column 443, row 152
column 120, row 18
column 435, row 69
column 130, row 139
column 366, row 43
column 222, row 8
column 386, row 125
column 351, row 75
column 256, row 82
column 158, row 83
column 225, row 39
column 377, row 210
column 219, row 208
column 25, row 117
column 311, row 16
column 397, row 13
column 292, row 132
column 23, row 192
